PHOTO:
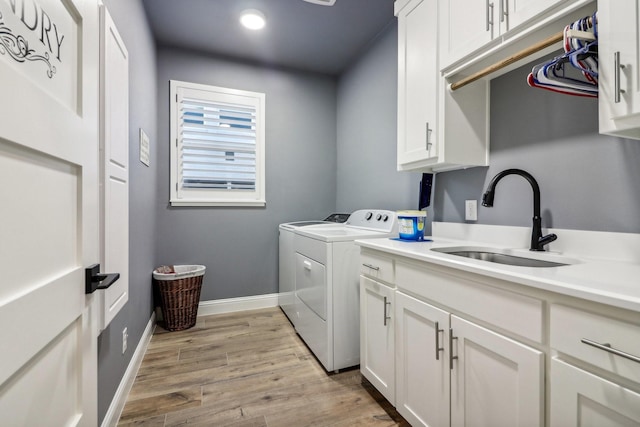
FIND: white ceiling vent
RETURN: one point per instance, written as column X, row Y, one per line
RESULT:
column 322, row 2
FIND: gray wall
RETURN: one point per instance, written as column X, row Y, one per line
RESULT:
column 588, row 181
column 132, row 24
column 239, row 246
column 367, row 127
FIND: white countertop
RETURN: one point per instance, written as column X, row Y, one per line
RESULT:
column 604, row 280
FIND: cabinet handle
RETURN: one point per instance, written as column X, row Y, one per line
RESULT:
column 428, row 138
column 373, row 267
column 617, row 66
column 385, row 311
column 503, row 10
column 489, row 15
column 607, row 347
column 307, row 265
column 451, row 356
column 438, row 348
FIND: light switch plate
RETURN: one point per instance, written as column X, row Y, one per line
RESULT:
column 471, row 210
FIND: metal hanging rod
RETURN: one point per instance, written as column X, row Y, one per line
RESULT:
column 550, row 41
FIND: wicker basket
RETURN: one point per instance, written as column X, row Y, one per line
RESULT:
column 179, row 295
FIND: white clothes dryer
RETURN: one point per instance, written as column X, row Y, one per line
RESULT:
column 326, row 296
column 286, row 259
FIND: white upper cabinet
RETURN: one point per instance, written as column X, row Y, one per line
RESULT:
column 517, row 12
column 471, row 25
column 465, row 28
column 434, row 131
column 417, row 82
column 619, row 85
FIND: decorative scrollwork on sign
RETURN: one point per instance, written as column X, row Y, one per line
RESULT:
column 17, row 47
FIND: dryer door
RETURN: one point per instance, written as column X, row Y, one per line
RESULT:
column 311, row 285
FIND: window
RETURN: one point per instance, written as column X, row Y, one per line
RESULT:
column 217, row 146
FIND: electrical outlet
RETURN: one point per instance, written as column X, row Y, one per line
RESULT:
column 471, row 210
column 125, row 335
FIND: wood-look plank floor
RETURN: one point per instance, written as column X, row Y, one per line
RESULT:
column 247, row 369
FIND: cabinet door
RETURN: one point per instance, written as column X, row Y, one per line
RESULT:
column 513, row 13
column 495, row 381
column 579, row 398
column 377, row 358
column 619, row 65
column 422, row 368
column 418, row 79
column 467, row 26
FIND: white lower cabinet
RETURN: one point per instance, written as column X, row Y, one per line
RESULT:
column 452, row 348
column 580, row 398
column 450, row 371
column 495, row 381
column 595, row 374
column 422, row 362
column 377, row 338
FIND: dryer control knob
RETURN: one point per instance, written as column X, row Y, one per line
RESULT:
column 368, row 216
column 385, row 218
column 379, row 217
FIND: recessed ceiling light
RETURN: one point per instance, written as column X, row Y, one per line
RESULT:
column 253, row 19
column 322, row 2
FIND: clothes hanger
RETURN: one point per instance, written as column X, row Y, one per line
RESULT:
column 581, row 49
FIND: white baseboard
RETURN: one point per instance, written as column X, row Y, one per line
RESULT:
column 120, row 398
column 230, row 305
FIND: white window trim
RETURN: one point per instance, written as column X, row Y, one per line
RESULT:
column 182, row 197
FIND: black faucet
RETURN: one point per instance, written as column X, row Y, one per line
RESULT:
column 537, row 240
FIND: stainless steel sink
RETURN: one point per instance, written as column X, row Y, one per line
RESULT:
column 501, row 257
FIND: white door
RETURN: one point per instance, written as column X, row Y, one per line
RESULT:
column 422, row 362
column 114, row 146
column 495, row 381
column 377, row 343
column 49, row 211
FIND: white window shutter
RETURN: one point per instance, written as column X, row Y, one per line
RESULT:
column 219, row 155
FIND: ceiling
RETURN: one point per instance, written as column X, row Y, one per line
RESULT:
column 299, row 35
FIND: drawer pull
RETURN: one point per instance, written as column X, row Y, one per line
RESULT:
column 307, row 265
column 607, row 347
column 489, row 19
column 385, row 311
column 373, row 267
column 617, row 66
column 438, row 348
column 451, row 356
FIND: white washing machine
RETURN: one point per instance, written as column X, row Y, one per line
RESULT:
column 286, row 260
column 327, row 284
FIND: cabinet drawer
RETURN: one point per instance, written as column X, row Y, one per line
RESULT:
column 377, row 266
column 520, row 314
column 576, row 333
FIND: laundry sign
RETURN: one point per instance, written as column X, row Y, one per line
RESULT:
column 39, row 38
